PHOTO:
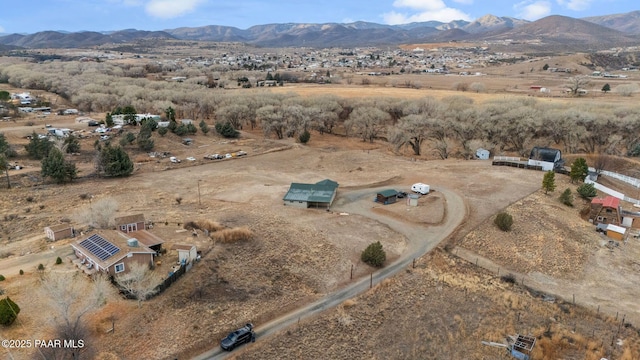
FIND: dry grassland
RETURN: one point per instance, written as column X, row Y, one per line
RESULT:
column 288, row 257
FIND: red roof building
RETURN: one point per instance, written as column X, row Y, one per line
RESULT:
column 605, row 211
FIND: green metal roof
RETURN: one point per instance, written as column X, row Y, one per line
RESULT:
column 388, row 193
column 322, row 191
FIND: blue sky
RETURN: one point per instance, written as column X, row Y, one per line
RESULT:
column 103, row 15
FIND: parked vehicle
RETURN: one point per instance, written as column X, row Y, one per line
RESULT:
column 191, row 158
column 174, row 159
column 228, row 156
column 420, row 188
column 241, row 336
column 241, row 153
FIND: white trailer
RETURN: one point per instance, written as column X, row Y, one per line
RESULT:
column 420, row 188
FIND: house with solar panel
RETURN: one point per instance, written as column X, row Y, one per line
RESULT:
column 319, row 195
column 111, row 252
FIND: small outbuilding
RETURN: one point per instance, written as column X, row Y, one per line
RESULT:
column 412, row 199
column 616, row 232
column 58, row 232
column 386, row 197
column 130, row 223
column 186, row 252
column 482, row 154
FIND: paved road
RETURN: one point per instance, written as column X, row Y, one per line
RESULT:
column 421, row 239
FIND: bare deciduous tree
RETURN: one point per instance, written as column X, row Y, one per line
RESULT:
column 477, row 87
column 411, row 130
column 235, row 114
column 626, row 89
column 140, row 281
column 577, row 83
column 273, row 120
column 367, row 122
column 99, row 213
column 72, row 296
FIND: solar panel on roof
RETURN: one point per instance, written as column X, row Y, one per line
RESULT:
column 99, row 246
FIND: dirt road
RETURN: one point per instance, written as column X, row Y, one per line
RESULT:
column 420, row 240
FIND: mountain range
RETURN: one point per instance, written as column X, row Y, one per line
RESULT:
column 617, row 29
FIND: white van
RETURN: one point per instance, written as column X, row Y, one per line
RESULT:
column 420, row 188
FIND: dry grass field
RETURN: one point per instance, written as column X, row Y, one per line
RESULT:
column 442, row 308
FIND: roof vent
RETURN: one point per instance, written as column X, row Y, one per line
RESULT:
column 132, row 242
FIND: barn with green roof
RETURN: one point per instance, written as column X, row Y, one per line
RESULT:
column 319, row 195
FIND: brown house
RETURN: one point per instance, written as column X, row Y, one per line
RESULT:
column 605, row 211
column 110, row 252
column 130, row 223
column 58, row 232
column 388, row 196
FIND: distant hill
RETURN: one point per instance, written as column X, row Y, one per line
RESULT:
column 555, row 30
column 55, row 39
column 628, row 23
column 558, row 29
column 491, row 23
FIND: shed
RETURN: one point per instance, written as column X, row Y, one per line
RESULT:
column 318, row 195
column 186, row 252
column 616, row 232
column 388, row 196
column 130, row 223
column 482, row 154
column 58, row 232
column 412, row 199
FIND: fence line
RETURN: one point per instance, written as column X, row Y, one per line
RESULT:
column 506, row 158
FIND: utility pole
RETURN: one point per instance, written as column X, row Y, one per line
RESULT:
column 199, row 202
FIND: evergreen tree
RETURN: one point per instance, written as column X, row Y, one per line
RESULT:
column 606, row 88
column 191, row 129
column 181, row 130
column 8, row 311
column 503, row 221
column 566, row 197
column 72, row 145
column 109, row 120
column 170, row 113
column 587, row 191
column 549, row 181
column 145, row 143
column 5, row 151
column 163, row 131
column 129, row 113
column 114, row 161
column 57, row 168
column 38, row 148
column 173, row 125
column 545, row 67
column 226, row 130
column 304, row 137
column 579, row 170
column 204, row 127
column 374, row 255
